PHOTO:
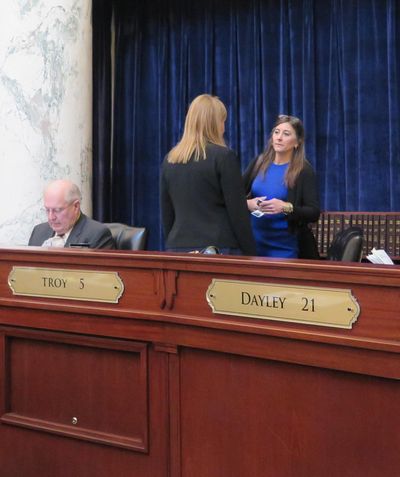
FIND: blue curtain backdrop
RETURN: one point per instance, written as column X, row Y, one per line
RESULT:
column 333, row 63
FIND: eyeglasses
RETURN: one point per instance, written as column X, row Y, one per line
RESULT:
column 56, row 210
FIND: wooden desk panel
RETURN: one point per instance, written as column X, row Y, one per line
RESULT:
column 48, row 376
column 279, row 419
column 190, row 393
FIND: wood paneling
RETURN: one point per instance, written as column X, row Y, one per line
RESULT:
column 67, row 386
column 245, row 416
column 162, row 387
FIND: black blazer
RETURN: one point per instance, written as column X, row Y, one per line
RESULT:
column 86, row 230
column 203, row 203
column 305, row 199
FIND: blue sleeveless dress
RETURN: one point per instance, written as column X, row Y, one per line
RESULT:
column 271, row 231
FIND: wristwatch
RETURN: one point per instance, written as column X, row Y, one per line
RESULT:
column 287, row 208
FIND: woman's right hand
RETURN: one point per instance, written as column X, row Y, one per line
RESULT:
column 253, row 204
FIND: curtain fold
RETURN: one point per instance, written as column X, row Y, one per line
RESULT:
column 333, row 63
column 102, row 126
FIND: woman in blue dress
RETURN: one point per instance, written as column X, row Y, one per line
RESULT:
column 283, row 194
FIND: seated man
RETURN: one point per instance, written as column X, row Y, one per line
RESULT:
column 66, row 223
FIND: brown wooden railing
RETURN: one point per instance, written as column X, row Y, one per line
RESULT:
column 381, row 230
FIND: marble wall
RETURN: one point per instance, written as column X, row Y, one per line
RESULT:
column 45, row 107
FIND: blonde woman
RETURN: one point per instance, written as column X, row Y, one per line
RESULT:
column 283, row 194
column 203, row 201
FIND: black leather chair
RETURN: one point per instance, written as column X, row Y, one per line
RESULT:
column 347, row 245
column 127, row 237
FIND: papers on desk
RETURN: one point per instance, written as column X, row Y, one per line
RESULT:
column 379, row 256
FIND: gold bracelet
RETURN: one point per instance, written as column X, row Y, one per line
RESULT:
column 287, row 208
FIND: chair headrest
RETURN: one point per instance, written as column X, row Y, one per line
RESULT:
column 347, row 245
column 127, row 237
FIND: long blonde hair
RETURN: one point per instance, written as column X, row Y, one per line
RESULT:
column 297, row 160
column 203, row 124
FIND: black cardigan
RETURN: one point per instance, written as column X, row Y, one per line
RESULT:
column 305, row 199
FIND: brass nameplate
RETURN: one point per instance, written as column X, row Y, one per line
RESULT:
column 316, row 306
column 68, row 284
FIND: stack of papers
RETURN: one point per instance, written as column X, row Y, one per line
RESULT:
column 379, row 256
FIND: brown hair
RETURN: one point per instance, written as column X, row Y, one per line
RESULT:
column 297, row 161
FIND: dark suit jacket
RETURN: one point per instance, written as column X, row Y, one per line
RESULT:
column 86, row 230
column 203, row 203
